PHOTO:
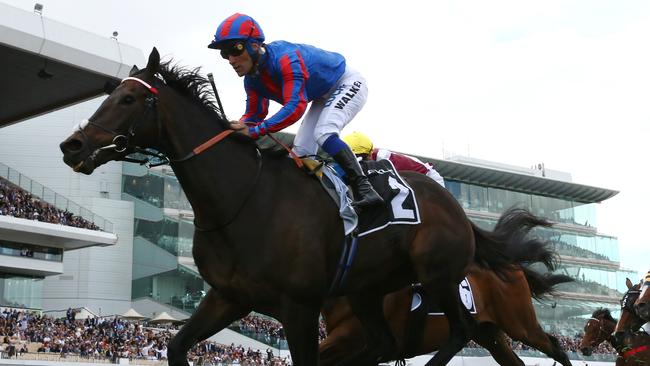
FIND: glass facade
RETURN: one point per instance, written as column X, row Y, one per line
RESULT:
column 496, row 200
column 21, row 291
column 180, row 286
column 31, row 251
column 589, row 258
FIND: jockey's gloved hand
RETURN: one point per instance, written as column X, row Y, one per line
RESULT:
column 240, row 127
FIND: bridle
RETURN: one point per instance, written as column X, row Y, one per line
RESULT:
column 627, row 302
column 121, row 143
column 601, row 330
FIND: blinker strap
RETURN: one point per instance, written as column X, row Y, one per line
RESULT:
column 144, row 83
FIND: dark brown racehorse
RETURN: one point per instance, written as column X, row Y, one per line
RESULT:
column 633, row 346
column 503, row 304
column 599, row 328
column 267, row 238
column 642, row 304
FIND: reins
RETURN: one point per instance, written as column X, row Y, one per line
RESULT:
column 121, row 143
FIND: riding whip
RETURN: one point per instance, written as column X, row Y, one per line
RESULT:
column 216, row 95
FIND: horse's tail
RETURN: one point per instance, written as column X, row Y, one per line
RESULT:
column 543, row 284
column 507, row 245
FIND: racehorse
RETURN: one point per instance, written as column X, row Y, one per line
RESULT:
column 266, row 237
column 642, row 304
column 502, row 303
column 501, row 309
column 599, row 328
column 633, row 346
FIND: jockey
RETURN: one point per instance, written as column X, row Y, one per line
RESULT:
column 363, row 147
column 294, row 75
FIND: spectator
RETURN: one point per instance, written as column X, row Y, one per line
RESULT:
column 16, row 202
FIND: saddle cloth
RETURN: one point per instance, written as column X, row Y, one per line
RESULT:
column 399, row 207
column 466, row 295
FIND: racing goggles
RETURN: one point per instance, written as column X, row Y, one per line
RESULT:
column 233, row 49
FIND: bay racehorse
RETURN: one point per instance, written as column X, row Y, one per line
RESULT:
column 642, row 304
column 503, row 307
column 599, row 328
column 632, row 344
column 267, row 238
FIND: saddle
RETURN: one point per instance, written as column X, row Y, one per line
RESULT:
column 400, row 206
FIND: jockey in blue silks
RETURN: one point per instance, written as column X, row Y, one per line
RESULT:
column 295, row 75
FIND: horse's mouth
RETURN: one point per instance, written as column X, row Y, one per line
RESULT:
column 586, row 351
column 78, row 166
column 85, row 166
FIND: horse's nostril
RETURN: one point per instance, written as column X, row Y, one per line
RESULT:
column 71, row 146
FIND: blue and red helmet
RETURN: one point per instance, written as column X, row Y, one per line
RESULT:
column 235, row 27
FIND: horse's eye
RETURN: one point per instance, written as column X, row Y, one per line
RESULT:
column 128, row 99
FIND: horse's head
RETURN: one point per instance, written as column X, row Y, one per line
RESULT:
column 642, row 304
column 126, row 121
column 629, row 321
column 598, row 329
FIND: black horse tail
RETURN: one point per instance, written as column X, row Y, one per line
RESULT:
column 507, row 245
column 543, row 284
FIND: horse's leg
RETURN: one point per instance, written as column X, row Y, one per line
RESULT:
column 461, row 324
column 300, row 323
column 490, row 337
column 213, row 314
column 344, row 340
column 548, row 344
column 440, row 255
column 380, row 344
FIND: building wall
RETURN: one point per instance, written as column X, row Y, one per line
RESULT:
column 97, row 278
column 32, row 148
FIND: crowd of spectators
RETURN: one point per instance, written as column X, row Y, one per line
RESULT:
column 114, row 338
column 16, row 202
column 111, row 338
column 267, row 329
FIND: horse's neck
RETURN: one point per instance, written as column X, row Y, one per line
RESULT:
column 215, row 180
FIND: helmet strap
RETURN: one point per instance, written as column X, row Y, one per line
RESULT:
column 255, row 55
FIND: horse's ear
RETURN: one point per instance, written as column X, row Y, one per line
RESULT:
column 154, row 61
column 628, row 283
column 134, row 70
column 110, row 85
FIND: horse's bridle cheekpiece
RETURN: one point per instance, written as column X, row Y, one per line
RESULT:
column 120, row 142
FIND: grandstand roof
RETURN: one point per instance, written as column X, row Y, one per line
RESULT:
column 498, row 176
column 47, row 65
column 528, row 183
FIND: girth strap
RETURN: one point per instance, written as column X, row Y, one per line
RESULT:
column 347, row 256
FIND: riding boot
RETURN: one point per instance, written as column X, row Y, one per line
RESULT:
column 364, row 194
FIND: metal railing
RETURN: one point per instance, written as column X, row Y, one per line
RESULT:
column 52, row 197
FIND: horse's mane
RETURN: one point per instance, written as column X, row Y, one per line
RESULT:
column 605, row 314
column 189, row 83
